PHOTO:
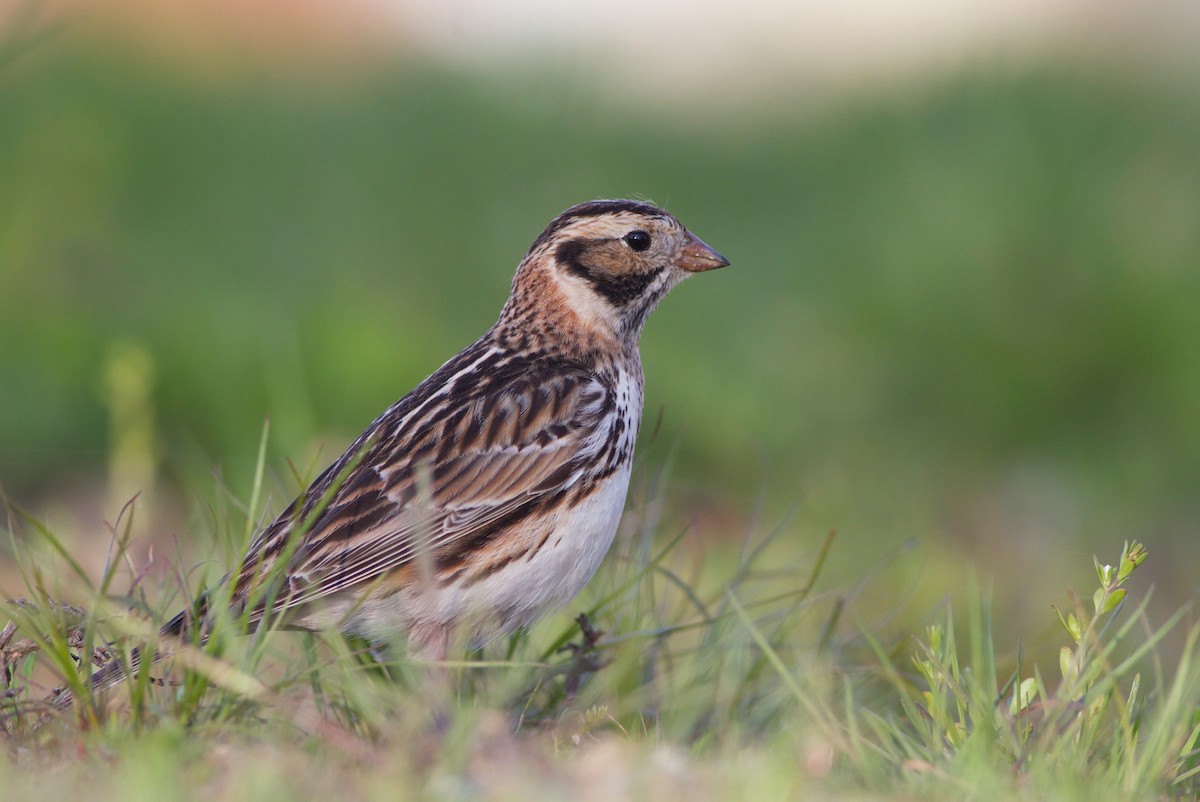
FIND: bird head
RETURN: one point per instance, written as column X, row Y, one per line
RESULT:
column 606, row 264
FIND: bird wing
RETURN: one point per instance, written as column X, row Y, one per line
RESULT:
column 439, row 479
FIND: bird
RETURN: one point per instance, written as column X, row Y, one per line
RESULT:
column 491, row 492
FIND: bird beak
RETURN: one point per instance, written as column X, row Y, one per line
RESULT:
column 696, row 256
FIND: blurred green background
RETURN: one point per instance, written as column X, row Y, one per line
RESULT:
column 963, row 312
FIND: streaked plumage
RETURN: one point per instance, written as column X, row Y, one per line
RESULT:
column 491, row 492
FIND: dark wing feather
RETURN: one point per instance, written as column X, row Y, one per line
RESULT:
column 437, row 475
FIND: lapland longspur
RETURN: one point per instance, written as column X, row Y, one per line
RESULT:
column 490, row 493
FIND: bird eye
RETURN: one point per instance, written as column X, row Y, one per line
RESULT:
column 638, row 240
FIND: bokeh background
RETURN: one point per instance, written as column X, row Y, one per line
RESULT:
column 960, row 327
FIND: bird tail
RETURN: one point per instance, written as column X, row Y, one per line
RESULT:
column 117, row 671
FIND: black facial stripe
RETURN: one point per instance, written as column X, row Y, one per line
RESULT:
column 620, row 290
column 570, row 253
column 595, row 209
column 635, row 321
column 624, row 290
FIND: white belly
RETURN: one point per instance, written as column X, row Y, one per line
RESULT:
column 525, row 589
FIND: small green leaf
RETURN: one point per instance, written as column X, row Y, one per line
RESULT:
column 1066, row 660
column 934, row 632
column 1061, row 620
column 1110, row 604
column 1069, row 622
column 1133, row 556
column 1024, row 696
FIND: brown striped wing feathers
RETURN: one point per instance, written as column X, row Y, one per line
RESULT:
column 444, row 484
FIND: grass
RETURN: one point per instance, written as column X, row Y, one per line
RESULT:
column 689, row 687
